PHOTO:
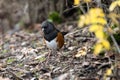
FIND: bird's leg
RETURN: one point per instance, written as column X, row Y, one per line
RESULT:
column 48, row 56
column 51, row 52
column 60, row 54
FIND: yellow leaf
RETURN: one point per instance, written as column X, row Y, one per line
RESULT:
column 96, row 12
column 98, row 48
column 76, row 2
column 118, row 3
column 87, row 1
column 81, row 52
column 98, row 20
column 114, row 4
column 102, row 14
column 81, row 21
column 95, row 15
column 106, row 44
column 108, row 72
column 100, row 34
column 87, row 19
column 95, row 27
column 101, row 21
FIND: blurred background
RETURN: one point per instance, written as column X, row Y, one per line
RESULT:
column 17, row 14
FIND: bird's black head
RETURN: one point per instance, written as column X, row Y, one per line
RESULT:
column 47, row 27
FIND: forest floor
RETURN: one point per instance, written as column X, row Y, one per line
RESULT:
column 23, row 56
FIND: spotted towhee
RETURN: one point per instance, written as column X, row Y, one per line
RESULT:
column 53, row 38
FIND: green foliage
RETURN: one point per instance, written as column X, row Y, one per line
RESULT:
column 21, row 64
column 55, row 17
column 4, row 51
column 114, row 26
column 41, row 59
column 10, row 60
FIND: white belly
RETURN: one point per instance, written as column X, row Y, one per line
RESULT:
column 52, row 44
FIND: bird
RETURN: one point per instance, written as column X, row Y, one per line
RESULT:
column 53, row 38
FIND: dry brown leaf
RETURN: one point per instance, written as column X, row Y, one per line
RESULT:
column 81, row 52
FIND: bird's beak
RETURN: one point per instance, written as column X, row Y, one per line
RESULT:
column 43, row 29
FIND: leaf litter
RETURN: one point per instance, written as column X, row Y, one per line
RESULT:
column 24, row 54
